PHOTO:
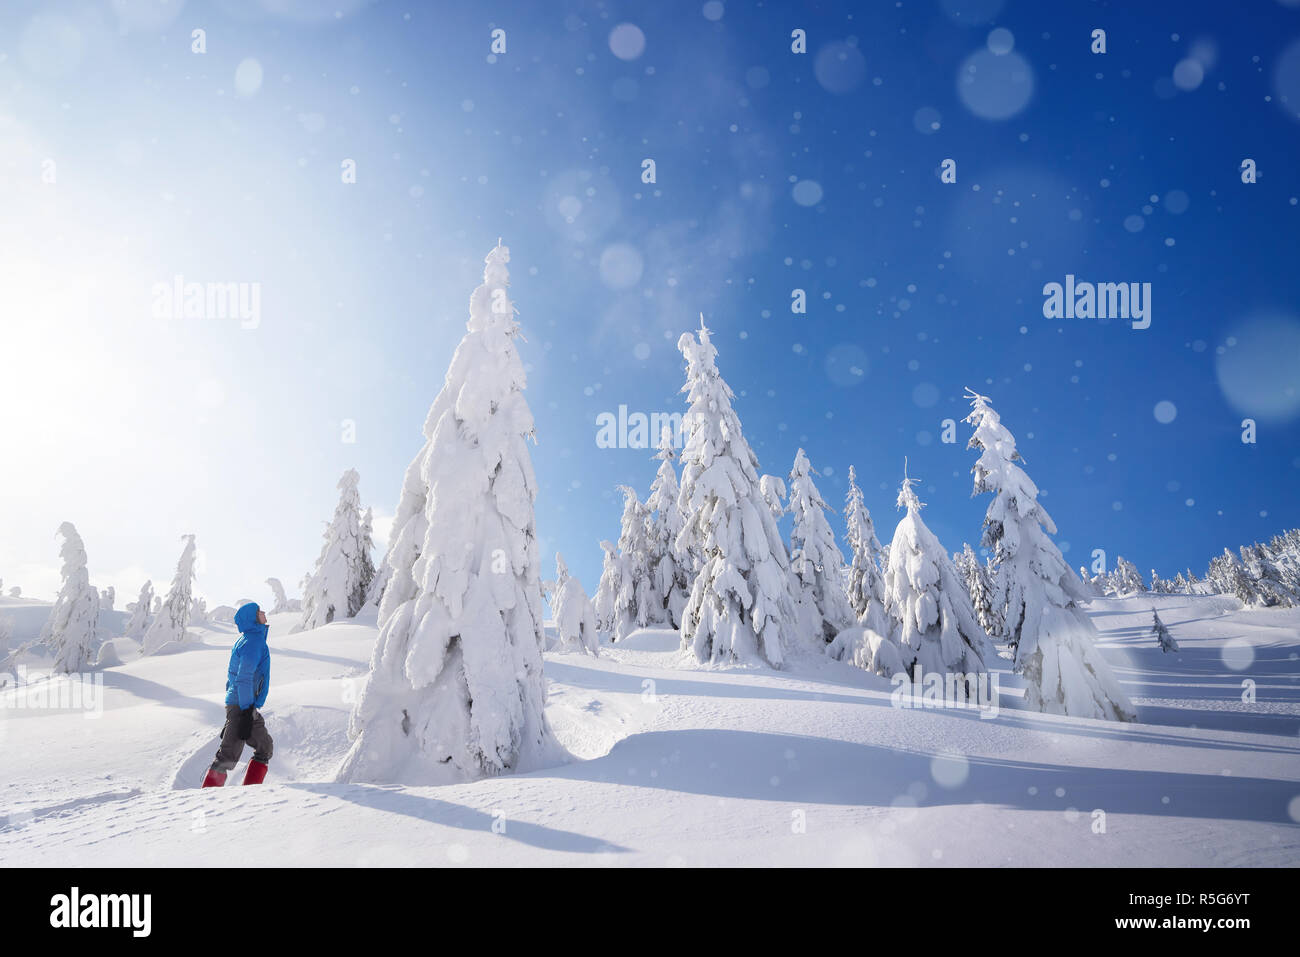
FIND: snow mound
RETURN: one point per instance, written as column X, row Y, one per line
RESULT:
column 650, row 639
column 868, row 650
column 309, row 741
column 108, row 656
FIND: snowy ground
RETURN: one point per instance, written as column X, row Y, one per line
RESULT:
column 676, row 765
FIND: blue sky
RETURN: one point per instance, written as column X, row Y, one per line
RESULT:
column 775, row 171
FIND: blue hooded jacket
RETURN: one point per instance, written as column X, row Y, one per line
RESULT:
column 249, row 677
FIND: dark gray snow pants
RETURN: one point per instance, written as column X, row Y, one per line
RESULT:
column 231, row 747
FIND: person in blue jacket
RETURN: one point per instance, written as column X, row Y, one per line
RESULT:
column 247, row 681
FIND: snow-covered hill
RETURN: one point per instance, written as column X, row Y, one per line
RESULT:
column 674, row 764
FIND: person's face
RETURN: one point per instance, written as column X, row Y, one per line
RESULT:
column 261, row 617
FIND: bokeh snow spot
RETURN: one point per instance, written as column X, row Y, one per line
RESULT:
column 927, row 120
column 1001, row 41
column 621, row 266
column 846, row 364
column 626, row 41
column 949, row 770
column 1188, row 74
column 1259, row 369
column 1286, row 79
column 807, row 192
column 248, row 77
column 995, row 87
column 839, row 67
column 1238, row 654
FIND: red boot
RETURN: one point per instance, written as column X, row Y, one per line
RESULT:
column 215, row 779
column 256, row 772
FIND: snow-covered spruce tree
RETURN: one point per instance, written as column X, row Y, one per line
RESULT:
column 1179, row 584
column 107, row 598
column 670, row 573
column 624, row 597
column 456, row 689
column 1127, row 579
column 978, row 579
column 1262, row 567
column 138, row 623
column 1084, row 580
column 817, row 561
column 1228, row 577
column 1051, row 637
column 173, row 616
column 742, row 605
column 866, row 585
column 1286, row 553
column 199, row 613
column 607, row 588
column 336, row 589
column 1161, row 634
column 71, row 630
column 575, row 619
column 938, row 630
column 1160, row 586
column 367, row 549
column 281, row 600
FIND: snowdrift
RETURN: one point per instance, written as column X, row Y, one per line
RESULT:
column 674, row 764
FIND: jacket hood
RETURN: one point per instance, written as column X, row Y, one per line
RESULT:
column 246, row 617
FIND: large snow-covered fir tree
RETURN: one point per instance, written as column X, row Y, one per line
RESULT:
column 625, row 597
column 138, row 623
column 817, row 561
column 670, row 573
column 742, row 605
column 337, row 587
column 173, row 617
column 866, row 585
column 1051, row 637
column 575, row 619
column 937, row 627
column 456, row 688
column 71, row 631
